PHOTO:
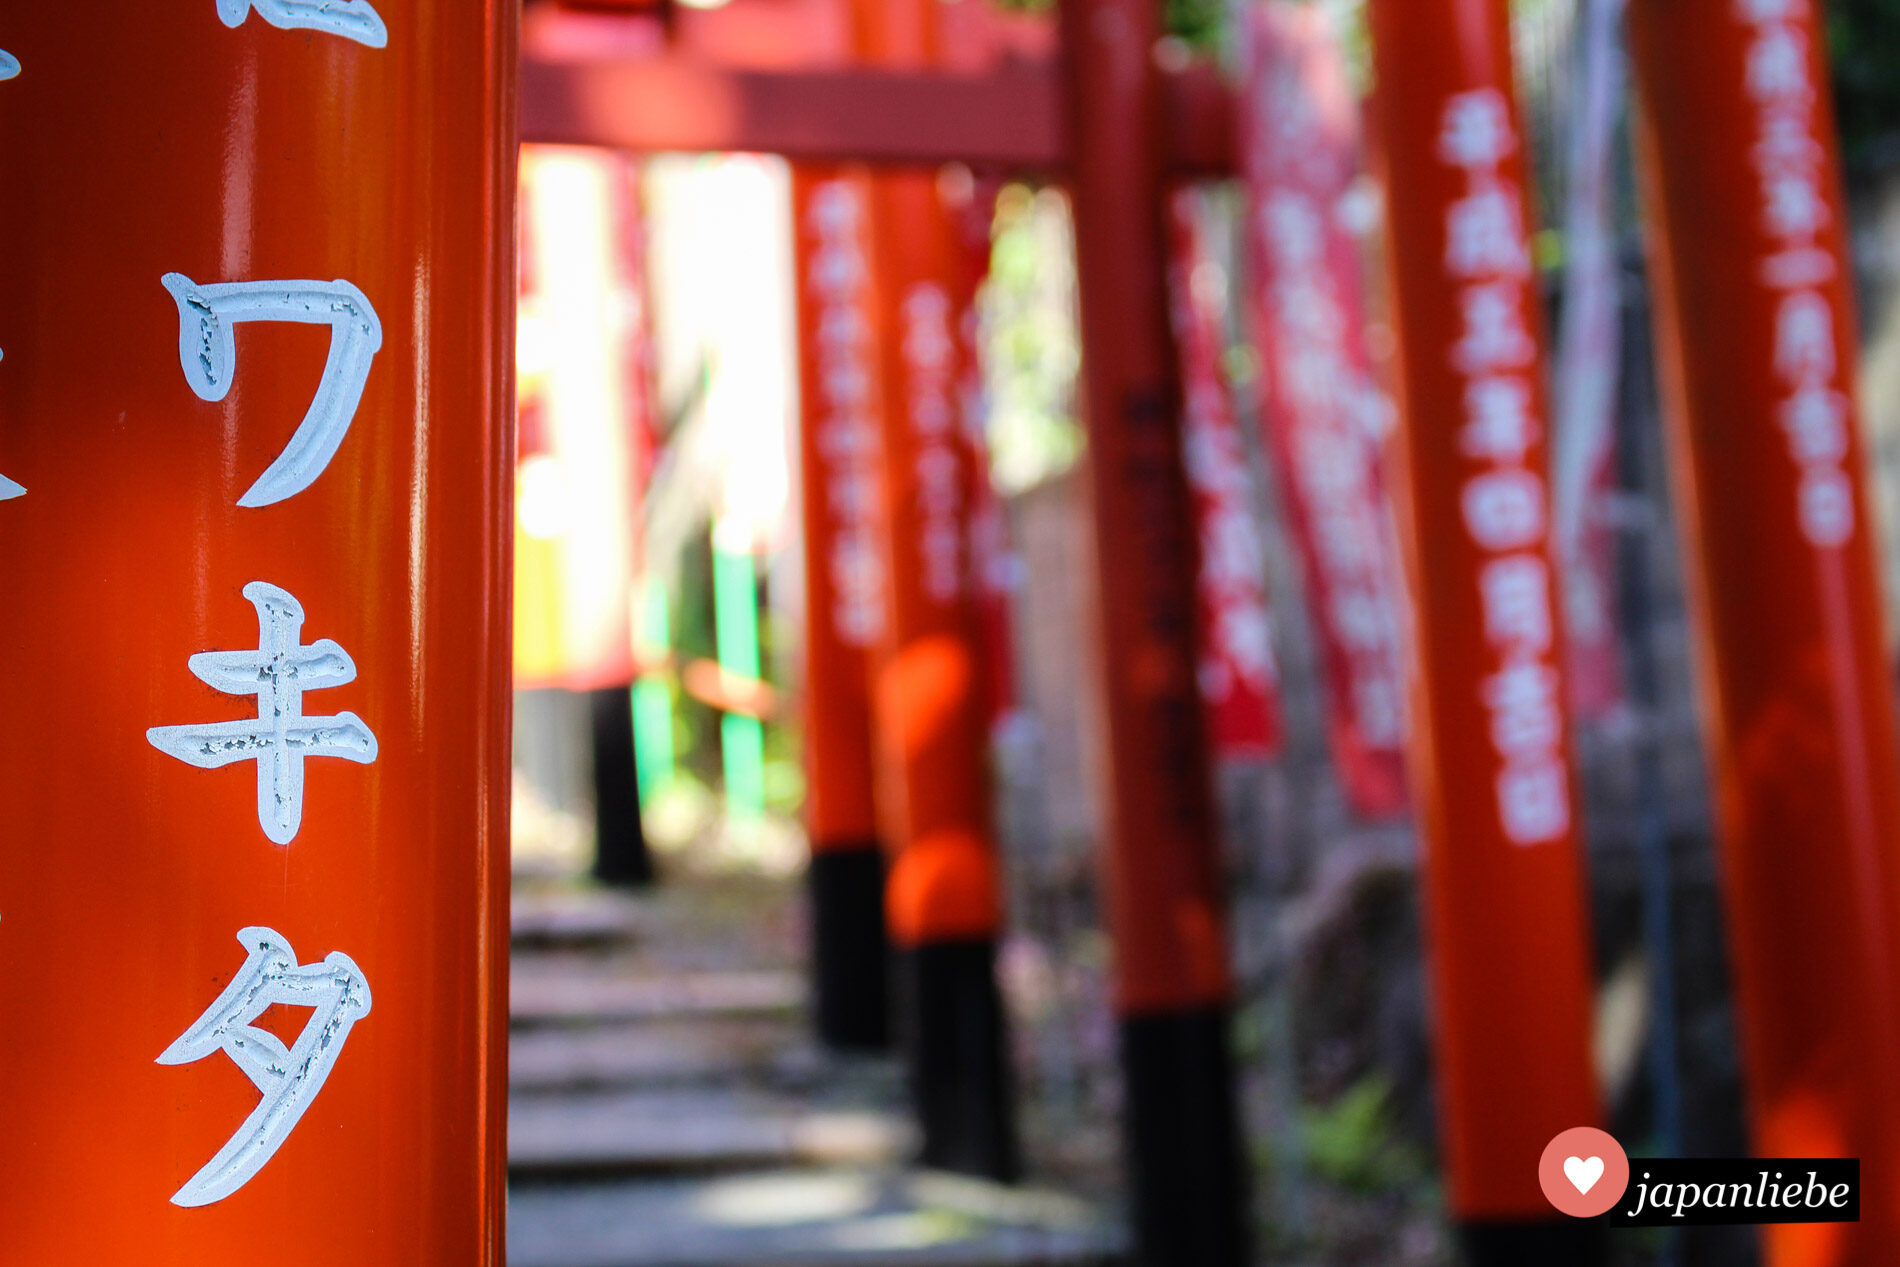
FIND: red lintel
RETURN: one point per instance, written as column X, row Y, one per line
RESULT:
column 1011, row 118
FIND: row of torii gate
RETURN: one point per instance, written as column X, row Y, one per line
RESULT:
column 1747, row 230
column 290, row 139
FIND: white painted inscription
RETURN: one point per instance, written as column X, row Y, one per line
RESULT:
column 207, row 352
column 288, row 1077
column 352, row 19
column 280, row 736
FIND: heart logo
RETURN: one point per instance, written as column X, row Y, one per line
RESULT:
column 1583, row 1172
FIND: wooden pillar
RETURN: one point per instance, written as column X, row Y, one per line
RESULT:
column 845, row 602
column 1748, row 239
column 1164, row 908
column 256, row 390
column 943, row 897
column 1498, row 812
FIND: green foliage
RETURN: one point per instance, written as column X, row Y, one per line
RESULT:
column 1353, row 1142
column 1198, row 22
column 1864, row 40
column 1030, row 344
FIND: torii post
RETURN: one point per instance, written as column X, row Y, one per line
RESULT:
column 256, row 629
column 1758, row 345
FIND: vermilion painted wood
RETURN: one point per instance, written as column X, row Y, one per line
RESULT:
column 845, row 591
column 1793, row 675
column 1163, row 905
column 142, row 139
column 1008, row 116
column 931, row 724
column 1507, row 939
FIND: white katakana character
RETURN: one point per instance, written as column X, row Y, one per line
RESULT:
column 352, row 19
column 280, row 737
column 207, row 352
column 289, row 1077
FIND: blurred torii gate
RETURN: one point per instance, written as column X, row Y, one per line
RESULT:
column 1117, row 129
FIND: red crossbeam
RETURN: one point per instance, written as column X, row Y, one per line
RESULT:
column 1010, row 118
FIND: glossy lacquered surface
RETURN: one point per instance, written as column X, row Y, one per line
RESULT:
column 144, row 139
column 1793, row 675
column 1505, row 907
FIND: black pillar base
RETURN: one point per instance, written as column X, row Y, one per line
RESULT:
column 954, row 1039
column 621, row 856
column 851, row 990
column 1555, row 1242
column 1187, row 1174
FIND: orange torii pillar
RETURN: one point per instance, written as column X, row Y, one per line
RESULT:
column 840, row 437
column 254, row 424
column 1756, row 321
column 943, row 896
column 1161, row 871
column 1505, row 906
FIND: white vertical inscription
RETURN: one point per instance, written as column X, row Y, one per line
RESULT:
column 288, row 1077
column 352, row 19
column 280, row 736
column 207, row 351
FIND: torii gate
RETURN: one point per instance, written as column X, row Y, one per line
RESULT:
column 318, row 165
column 1117, row 129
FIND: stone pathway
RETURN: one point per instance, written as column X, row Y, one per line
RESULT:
column 668, row 1108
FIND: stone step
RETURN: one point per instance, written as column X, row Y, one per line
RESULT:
column 696, row 1129
column 772, row 1050
column 833, row 1217
column 571, row 917
column 548, row 990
